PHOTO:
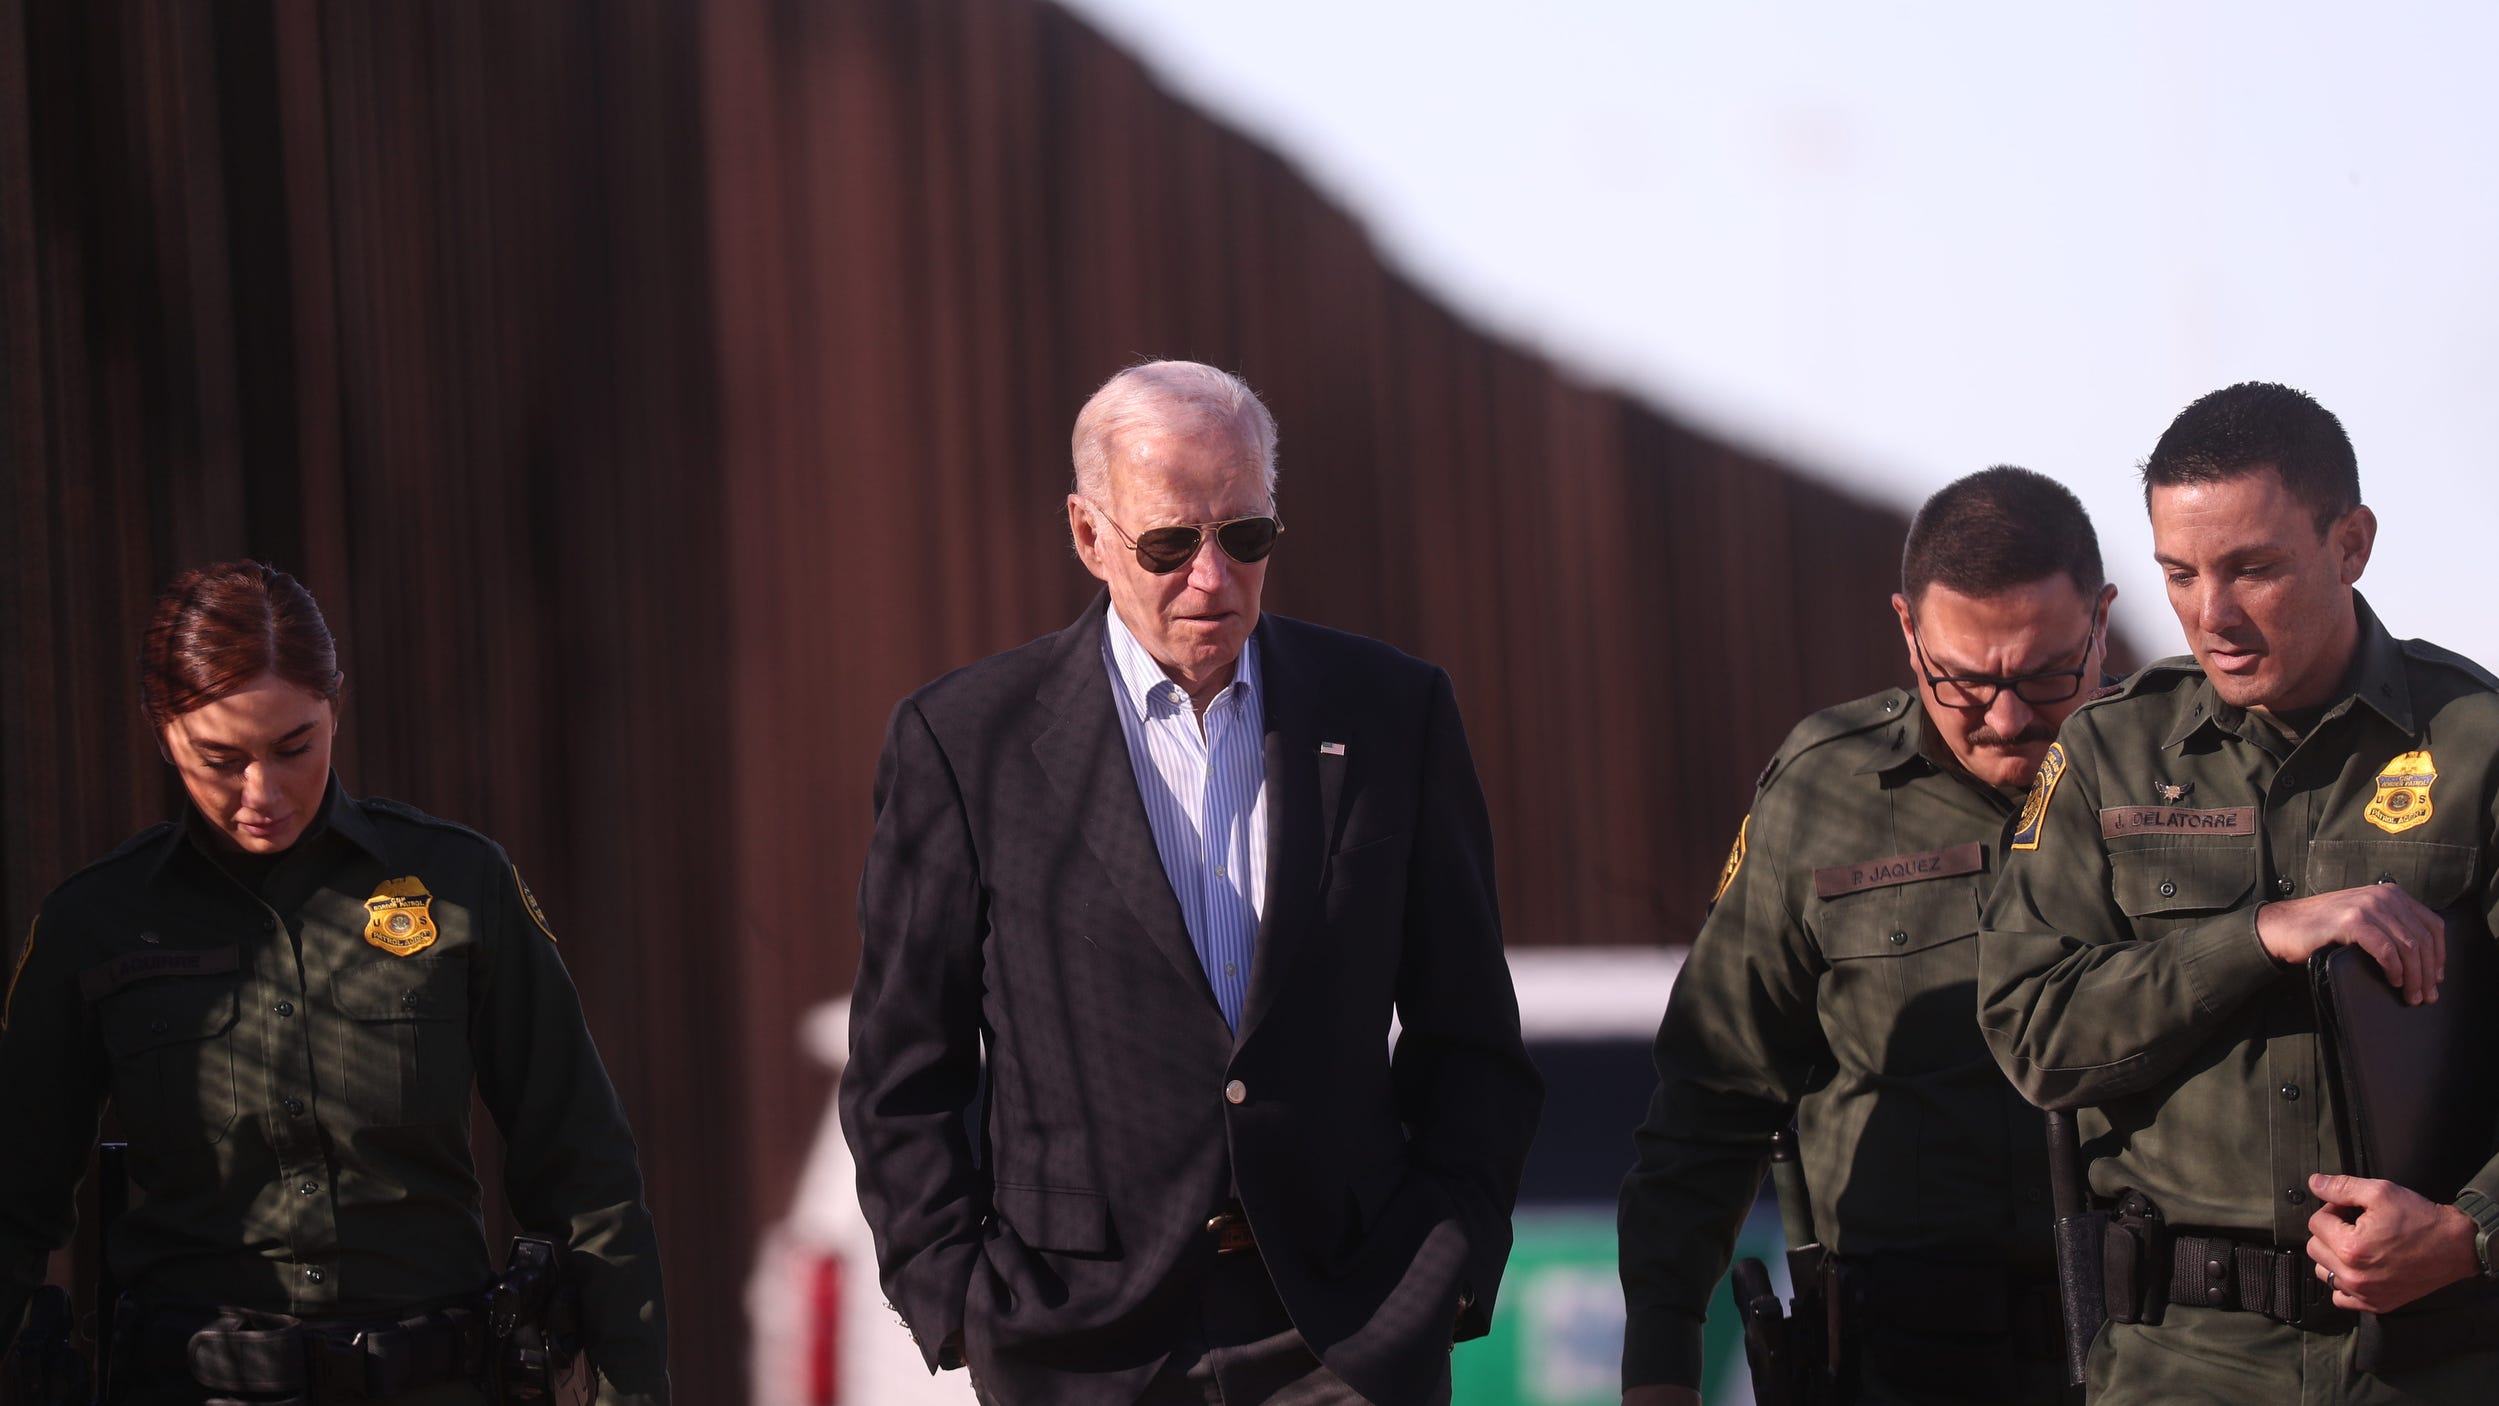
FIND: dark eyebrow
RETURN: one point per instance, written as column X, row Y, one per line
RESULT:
column 206, row 746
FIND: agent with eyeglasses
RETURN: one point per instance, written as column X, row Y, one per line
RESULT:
column 1833, row 984
column 1168, row 873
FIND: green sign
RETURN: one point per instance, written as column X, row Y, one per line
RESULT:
column 1557, row 1334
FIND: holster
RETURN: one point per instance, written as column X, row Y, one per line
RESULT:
column 2134, row 1261
column 44, row 1368
column 533, row 1315
column 1791, row 1355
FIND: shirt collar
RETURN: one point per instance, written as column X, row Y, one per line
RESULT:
column 339, row 815
column 1141, row 680
column 1903, row 741
column 2376, row 677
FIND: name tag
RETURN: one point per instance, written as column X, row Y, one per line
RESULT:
column 1899, row 869
column 2118, row 821
column 97, row 982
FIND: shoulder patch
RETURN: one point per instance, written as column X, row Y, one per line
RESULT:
column 1734, row 864
column 2035, row 805
column 529, row 901
column 2428, row 653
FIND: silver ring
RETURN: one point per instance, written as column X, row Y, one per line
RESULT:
column 2329, row 1281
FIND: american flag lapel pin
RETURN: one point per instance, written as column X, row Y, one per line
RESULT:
column 1331, row 749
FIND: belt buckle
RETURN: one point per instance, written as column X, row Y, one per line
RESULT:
column 1231, row 1231
column 338, row 1367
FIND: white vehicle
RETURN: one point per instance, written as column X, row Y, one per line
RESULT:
column 822, row 1335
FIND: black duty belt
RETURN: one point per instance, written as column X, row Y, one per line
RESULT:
column 284, row 1361
column 2213, row 1271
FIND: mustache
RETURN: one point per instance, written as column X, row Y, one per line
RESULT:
column 2038, row 731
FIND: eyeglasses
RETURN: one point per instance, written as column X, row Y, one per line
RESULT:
column 1164, row 550
column 1980, row 690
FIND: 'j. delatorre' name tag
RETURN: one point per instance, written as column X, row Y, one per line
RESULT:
column 1899, row 869
column 2118, row 821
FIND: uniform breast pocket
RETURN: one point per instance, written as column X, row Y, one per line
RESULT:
column 2171, row 886
column 403, row 1056
column 1902, row 992
column 172, row 1046
column 2438, row 875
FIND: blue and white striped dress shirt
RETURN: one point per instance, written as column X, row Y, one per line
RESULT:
column 1205, row 798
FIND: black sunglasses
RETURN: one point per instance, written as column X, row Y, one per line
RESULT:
column 1164, row 550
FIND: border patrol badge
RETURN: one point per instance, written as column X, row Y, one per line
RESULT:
column 400, row 917
column 529, row 901
column 1735, row 861
column 2035, row 805
column 2403, row 793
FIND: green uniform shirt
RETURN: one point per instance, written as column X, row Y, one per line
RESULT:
column 2120, row 972
column 291, row 1066
column 1834, row 980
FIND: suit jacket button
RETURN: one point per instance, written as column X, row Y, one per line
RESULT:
column 1236, row 1092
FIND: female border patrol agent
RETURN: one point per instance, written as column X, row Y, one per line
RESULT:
column 287, row 995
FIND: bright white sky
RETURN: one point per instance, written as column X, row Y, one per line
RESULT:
column 1895, row 243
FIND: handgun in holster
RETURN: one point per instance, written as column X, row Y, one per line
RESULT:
column 533, row 1317
column 44, row 1366
column 1794, row 1356
column 2112, row 1263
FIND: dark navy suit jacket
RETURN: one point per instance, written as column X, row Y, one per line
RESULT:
column 1014, row 910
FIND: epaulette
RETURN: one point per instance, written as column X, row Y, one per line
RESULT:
column 2159, row 674
column 2429, row 653
column 1834, row 723
column 154, row 834
column 401, row 810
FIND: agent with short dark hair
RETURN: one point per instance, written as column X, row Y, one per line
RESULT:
column 2304, row 779
column 1833, row 980
column 287, row 995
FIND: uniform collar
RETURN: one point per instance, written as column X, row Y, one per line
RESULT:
column 339, row 815
column 2376, row 677
column 1904, row 739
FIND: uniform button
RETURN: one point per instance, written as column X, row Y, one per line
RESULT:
column 1236, row 1092
column 2295, row 1196
column 293, row 1105
column 408, row 999
column 314, row 1274
column 2168, row 889
column 2283, row 884
column 1900, row 939
column 2291, row 1092
column 307, row 1189
column 285, row 1009
column 158, row 1027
